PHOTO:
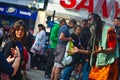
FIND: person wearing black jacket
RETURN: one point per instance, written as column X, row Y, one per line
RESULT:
column 6, row 67
column 17, row 38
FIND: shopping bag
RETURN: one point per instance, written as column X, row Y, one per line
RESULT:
column 67, row 59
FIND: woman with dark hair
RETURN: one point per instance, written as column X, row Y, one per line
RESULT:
column 103, row 49
column 77, row 59
column 17, row 38
column 38, row 46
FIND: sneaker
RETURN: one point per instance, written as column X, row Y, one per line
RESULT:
column 47, row 76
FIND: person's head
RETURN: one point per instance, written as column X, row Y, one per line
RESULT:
column 84, row 23
column 72, row 23
column 116, row 21
column 96, row 23
column 41, row 27
column 62, row 22
column 94, row 18
column 77, row 30
column 18, row 31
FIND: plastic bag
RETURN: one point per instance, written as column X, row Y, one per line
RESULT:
column 67, row 59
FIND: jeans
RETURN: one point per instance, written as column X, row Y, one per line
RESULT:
column 67, row 72
column 85, row 71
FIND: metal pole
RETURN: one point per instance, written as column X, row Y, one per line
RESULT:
column 53, row 15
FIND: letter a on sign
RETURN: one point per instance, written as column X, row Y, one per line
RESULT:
column 83, row 5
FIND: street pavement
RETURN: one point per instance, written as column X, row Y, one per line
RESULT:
column 35, row 75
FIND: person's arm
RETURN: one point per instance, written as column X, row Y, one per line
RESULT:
column 16, row 63
column 10, row 59
column 6, row 67
column 7, row 48
column 62, row 37
column 84, row 51
column 76, row 50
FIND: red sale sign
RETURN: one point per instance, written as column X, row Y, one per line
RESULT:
column 101, row 5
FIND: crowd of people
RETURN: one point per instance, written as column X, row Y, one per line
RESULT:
column 95, row 50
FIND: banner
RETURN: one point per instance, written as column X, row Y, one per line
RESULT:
column 18, row 12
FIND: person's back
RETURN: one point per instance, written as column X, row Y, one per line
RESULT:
column 53, row 44
column 54, row 35
column 64, row 29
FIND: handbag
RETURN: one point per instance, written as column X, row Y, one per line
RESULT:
column 37, row 48
column 67, row 59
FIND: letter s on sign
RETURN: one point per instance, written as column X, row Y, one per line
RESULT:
column 66, row 5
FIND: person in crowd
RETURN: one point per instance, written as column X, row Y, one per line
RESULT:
column 84, row 41
column 77, row 58
column 29, row 40
column 85, row 32
column 1, row 35
column 53, row 44
column 4, row 63
column 64, row 37
column 103, row 49
column 116, row 23
column 28, row 45
column 17, row 38
column 38, row 46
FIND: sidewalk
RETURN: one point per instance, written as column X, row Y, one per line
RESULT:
column 35, row 75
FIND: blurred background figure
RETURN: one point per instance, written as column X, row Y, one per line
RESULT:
column 1, row 35
column 53, row 44
column 38, row 46
column 116, row 23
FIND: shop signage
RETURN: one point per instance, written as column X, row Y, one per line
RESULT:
column 17, row 12
column 89, row 5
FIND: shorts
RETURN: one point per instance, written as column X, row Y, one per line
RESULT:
column 59, row 52
column 58, row 64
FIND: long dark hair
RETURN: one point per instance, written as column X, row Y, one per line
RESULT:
column 42, row 26
column 98, row 24
column 16, row 26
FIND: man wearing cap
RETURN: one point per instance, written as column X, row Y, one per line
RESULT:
column 53, row 44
